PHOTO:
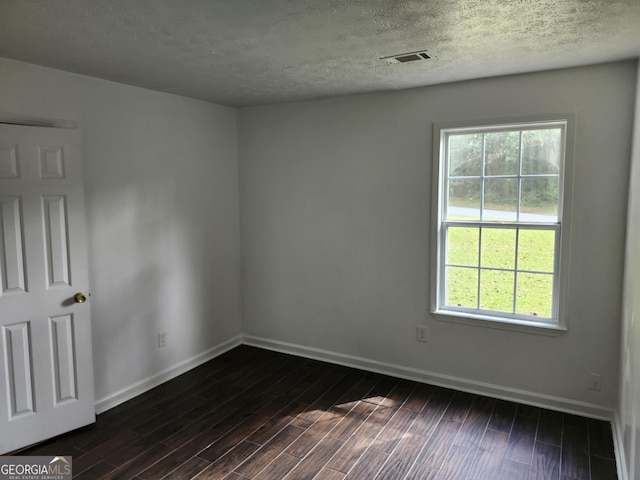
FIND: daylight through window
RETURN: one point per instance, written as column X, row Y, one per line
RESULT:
column 499, row 221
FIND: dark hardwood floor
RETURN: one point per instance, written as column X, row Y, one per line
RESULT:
column 255, row 414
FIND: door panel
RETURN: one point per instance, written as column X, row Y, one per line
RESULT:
column 46, row 362
column 8, row 160
column 12, row 263
column 63, row 349
column 55, row 230
column 17, row 341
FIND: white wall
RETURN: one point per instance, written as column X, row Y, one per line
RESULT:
column 161, row 187
column 335, row 220
column 629, row 407
column 335, row 201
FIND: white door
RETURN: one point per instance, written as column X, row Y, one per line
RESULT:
column 46, row 364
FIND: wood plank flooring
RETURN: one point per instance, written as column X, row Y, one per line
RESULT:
column 260, row 415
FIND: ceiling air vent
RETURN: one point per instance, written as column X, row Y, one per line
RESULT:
column 407, row 57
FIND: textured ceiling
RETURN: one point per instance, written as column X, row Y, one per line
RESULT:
column 250, row 52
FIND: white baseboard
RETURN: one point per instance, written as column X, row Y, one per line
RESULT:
column 618, row 444
column 466, row 385
column 463, row 384
column 127, row 393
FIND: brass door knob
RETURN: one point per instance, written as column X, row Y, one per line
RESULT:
column 80, row 297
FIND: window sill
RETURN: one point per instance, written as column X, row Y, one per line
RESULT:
column 521, row 326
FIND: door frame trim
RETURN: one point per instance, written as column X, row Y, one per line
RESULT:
column 31, row 121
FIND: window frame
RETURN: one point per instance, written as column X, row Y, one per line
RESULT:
column 562, row 229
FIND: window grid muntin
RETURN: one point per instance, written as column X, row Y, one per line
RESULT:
column 483, row 167
column 518, row 226
column 515, row 260
column 555, row 226
column 519, row 177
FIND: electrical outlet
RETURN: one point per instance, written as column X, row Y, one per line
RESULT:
column 162, row 338
column 595, row 382
column 421, row 333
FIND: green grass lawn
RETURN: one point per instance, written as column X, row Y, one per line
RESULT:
column 493, row 259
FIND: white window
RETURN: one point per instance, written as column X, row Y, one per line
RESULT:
column 502, row 200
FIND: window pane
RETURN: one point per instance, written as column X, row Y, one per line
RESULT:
column 539, row 199
column 462, row 287
column 465, row 155
column 498, row 247
column 496, row 290
column 464, row 199
column 534, row 294
column 502, row 153
column 541, row 151
column 463, row 246
column 536, row 250
column 500, row 199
